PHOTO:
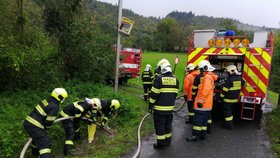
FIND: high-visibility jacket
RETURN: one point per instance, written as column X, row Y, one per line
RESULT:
column 104, row 113
column 44, row 113
column 147, row 77
column 196, row 82
column 77, row 109
column 205, row 92
column 164, row 92
column 188, row 83
column 231, row 89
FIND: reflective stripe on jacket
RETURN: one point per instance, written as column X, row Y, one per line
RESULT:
column 205, row 92
column 44, row 114
column 188, row 83
column 164, row 93
column 147, row 77
column 232, row 88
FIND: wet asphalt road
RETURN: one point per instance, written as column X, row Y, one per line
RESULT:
column 244, row 141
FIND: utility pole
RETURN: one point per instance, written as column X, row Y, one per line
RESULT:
column 118, row 48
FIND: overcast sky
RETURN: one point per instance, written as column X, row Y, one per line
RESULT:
column 255, row 12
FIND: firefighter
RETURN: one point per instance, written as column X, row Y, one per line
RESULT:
column 108, row 108
column 72, row 126
column 203, row 102
column 230, row 94
column 163, row 94
column 147, row 78
column 188, row 83
column 41, row 118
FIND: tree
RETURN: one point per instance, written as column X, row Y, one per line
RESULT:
column 167, row 34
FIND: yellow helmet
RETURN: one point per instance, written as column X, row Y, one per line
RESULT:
column 115, row 104
column 59, row 94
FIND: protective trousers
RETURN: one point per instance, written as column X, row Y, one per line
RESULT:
column 147, row 90
column 70, row 126
column 163, row 124
column 40, row 140
column 191, row 112
column 227, row 111
column 200, row 123
column 209, row 122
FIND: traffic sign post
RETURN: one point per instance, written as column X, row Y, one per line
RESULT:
column 176, row 62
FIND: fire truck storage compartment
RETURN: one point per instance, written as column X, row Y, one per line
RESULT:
column 220, row 62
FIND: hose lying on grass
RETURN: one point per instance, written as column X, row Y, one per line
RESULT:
column 107, row 129
column 139, row 137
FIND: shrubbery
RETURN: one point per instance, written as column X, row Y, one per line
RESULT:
column 16, row 106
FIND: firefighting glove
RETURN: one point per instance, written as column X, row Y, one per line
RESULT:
column 151, row 108
column 199, row 105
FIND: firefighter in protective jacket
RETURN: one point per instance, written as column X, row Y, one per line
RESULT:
column 188, row 84
column 230, row 94
column 106, row 109
column 41, row 118
column 72, row 126
column 161, row 103
column 203, row 102
column 147, row 78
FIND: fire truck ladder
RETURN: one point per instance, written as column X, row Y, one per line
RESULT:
column 248, row 106
column 138, row 61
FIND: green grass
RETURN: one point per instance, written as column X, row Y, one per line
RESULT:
column 272, row 97
column 15, row 106
column 153, row 58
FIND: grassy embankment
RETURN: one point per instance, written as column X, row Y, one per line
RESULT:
column 15, row 106
column 273, row 124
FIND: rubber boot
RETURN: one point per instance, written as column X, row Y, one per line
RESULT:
column 167, row 141
column 229, row 125
column 67, row 150
column 208, row 128
column 192, row 139
column 35, row 151
column 145, row 97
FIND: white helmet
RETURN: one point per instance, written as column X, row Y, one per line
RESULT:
column 96, row 103
column 205, row 65
column 190, row 67
column 164, row 66
column 231, row 69
column 148, row 67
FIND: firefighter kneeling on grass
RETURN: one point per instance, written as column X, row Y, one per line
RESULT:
column 41, row 118
column 203, row 102
column 147, row 78
column 106, row 109
column 230, row 94
column 72, row 126
column 161, row 103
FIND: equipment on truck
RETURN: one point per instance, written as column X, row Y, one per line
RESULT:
column 252, row 60
column 130, row 64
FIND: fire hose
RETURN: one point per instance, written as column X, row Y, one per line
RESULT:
column 139, row 137
column 107, row 129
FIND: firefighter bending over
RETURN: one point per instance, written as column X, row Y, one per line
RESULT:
column 203, row 102
column 147, row 78
column 72, row 126
column 42, row 118
column 230, row 94
column 188, row 83
column 106, row 109
column 163, row 94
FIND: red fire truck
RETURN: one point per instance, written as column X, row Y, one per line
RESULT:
column 130, row 64
column 253, row 61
